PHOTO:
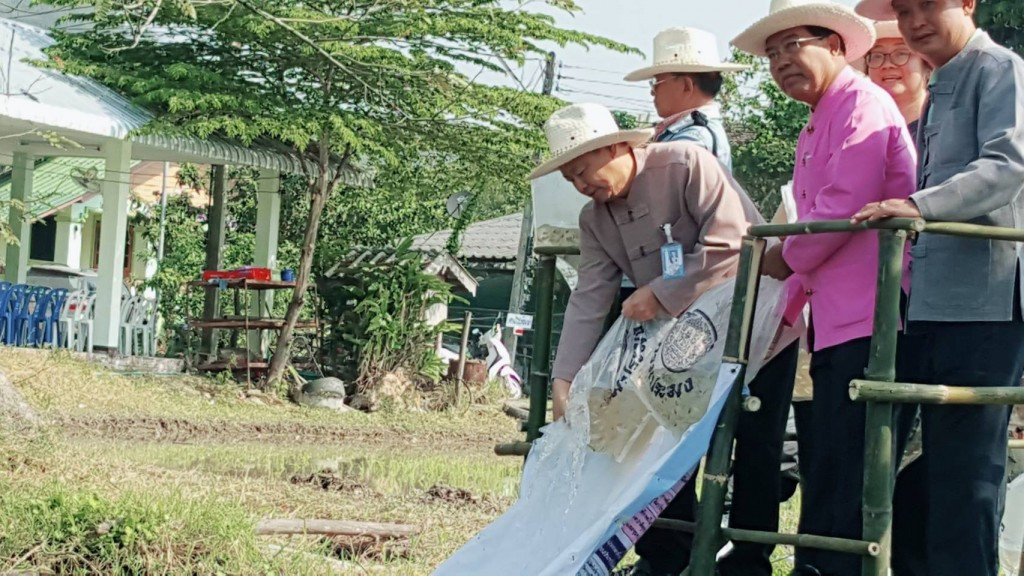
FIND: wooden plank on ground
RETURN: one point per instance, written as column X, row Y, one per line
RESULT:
column 333, row 528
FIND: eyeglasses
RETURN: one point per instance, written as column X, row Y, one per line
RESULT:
column 898, row 58
column 654, row 82
column 790, row 47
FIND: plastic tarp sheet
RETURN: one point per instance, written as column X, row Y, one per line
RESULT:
column 640, row 418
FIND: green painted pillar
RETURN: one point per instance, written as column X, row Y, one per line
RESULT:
column 16, row 270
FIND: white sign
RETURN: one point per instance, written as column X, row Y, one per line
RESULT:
column 520, row 321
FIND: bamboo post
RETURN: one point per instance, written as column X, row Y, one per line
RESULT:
column 900, row 392
column 879, row 442
column 544, row 292
column 974, row 231
column 463, row 352
column 717, row 467
column 513, row 449
column 778, row 539
column 820, row 226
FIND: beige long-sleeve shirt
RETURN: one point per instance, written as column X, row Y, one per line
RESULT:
column 677, row 183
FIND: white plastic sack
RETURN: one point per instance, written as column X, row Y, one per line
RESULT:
column 581, row 509
column 1011, row 531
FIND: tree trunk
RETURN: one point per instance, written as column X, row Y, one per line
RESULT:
column 319, row 189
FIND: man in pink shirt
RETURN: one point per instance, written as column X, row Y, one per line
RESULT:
column 854, row 149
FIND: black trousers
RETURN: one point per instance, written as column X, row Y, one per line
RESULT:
column 909, row 516
column 832, row 476
column 961, row 474
column 831, row 436
column 756, row 481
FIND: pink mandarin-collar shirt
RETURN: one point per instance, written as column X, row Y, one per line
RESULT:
column 855, row 149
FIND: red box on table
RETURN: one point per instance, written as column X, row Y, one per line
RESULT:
column 238, row 274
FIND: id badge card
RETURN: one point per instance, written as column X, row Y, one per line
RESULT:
column 671, row 256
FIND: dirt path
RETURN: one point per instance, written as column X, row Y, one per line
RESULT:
column 186, row 431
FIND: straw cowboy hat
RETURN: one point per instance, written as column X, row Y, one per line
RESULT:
column 575, row 130
column 876, row 9
column 682, row 50
column 856, row 32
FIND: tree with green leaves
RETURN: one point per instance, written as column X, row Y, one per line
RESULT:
column 764, row 125
column 1004, row 20
column 625, row 120
column 333, row 81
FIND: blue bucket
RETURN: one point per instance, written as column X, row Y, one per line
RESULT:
column 288, row 275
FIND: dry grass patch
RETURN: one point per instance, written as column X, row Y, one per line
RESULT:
column 89, row 399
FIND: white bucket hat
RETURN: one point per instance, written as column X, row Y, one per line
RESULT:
column 856, row 32
column 682, row 50
column 575, row 130
column 876, row 9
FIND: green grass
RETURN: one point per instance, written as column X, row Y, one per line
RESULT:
column 190, row 508
column 62, row 387
column 393, row 471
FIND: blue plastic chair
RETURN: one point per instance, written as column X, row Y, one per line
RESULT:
column 49, row 322
column 9, row 313
column 40, row 326
column 5, row 296
column 24, row 317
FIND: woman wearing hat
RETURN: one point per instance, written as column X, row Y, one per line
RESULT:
column 854, row 149
column 635, row 190
column 899, row 71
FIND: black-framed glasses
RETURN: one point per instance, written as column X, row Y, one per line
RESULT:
column 789, row 47
column 897, row 58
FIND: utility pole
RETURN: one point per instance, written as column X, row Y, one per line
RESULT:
column 517, row 300
column 549, row 74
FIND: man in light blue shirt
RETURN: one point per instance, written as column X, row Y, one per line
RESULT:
column 685, row 78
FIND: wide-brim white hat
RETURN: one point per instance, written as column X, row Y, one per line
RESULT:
column 876, row 9
column 684, row 50
column 858, row 34
column 887, row 29
column 580, row 128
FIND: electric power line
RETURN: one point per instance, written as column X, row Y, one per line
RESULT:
column 604, row 83
column 599, row 70
column 623, row 99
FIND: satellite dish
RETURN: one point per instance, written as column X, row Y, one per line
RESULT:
column 87, row 179
column 457, row 203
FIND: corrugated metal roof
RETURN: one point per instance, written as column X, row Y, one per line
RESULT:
column 496, row 239
column 57, row 101
column 52, row 186
column 440, row 264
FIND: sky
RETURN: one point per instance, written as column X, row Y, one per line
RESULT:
column 582, row 75
column 596, row 75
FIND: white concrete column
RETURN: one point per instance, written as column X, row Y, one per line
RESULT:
column 68, row 250
column 115, row 188
column 268, row 226
column 268, row 218
column 16, row 262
